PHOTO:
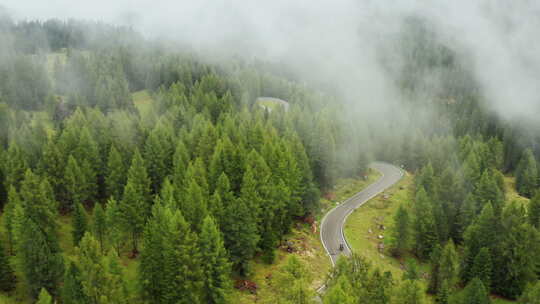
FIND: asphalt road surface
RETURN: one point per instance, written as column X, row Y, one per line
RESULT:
column 332, row 224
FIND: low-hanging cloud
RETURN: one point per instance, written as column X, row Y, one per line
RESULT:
column 340, row 41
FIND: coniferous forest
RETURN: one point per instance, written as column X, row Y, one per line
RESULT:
column 115, row 147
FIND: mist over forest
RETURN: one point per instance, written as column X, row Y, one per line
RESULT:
column 200, row 151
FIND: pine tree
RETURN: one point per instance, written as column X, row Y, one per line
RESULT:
column 133, row 213
column 35, row 232
column 74, row 181
column 527, row 174
column 410, row 292
column 44, row 297
column 80, row 223
column 443, row 296
column 448, row 266
column 39, row 259
column 293, row 280
column 400, row 232
column 168, row 243
column 534, row 210
column 467, row 213
column 483, row 233
column 194, row 205
column 52, row 166
column 340, row 293
column 72, row 289
column 240, row 233
column 99, row 226
column 9, row 216
column 158, row 152
column 482, row 267
column 100, row 276
column 185, row 283
column 475, row 293
column 116, row 174
column 435, row 258
column 487, row 190
column 180, row 165
column 139, row 179
column 152, row 260
column 424, row 225
column 216, row 267
column 7, row 276
column 114, row 223
column 15, row 166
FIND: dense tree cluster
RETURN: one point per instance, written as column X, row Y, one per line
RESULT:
column 462, row 201
column 192, row 184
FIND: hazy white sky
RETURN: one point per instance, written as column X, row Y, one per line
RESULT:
column 339, row 38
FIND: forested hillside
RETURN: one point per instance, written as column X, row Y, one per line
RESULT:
column 191, row 183
column 136, row 170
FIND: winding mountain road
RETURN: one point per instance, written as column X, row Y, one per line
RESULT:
column 332, row 224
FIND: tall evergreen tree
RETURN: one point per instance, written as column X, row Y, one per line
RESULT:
column 80, row 223
column 410, row 292
column 114, row 221
column 133, row 214
column 116, row 174
column 194, row 205
column 240, row 233
column 7, row 276
column 400, row 232
column 216, row 267
column 72, row 289
column 475, row 293
column 100, row 279
column 534, row 210
column 527, row 174
column 99, row 226
column 424, row 225
column 9, row 216
column 139, row 179
column 481, row 268
column 74, row 181
column 35, row 230
column 448, row 266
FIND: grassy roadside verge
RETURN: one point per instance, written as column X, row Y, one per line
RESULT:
column 368, row 226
